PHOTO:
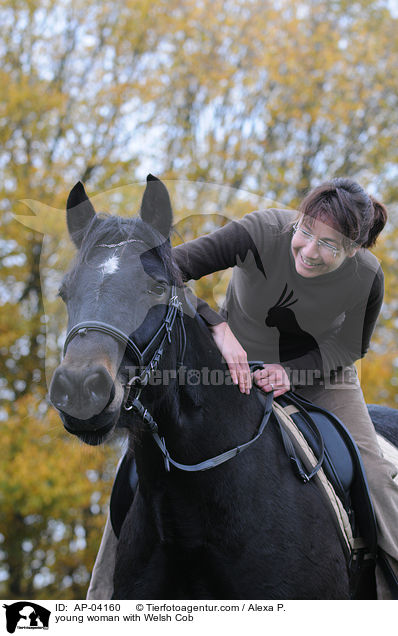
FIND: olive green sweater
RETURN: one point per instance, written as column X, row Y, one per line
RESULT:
column 319, row 324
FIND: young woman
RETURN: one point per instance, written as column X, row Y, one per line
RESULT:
column 304, row 297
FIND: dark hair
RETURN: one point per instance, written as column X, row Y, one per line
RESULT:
column 358, row 216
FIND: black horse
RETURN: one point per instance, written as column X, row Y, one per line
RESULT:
column 247, row 528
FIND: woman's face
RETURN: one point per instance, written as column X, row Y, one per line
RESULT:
column 317, row 248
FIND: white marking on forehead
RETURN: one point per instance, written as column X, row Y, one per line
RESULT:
column 110, row 266
column 120, row 244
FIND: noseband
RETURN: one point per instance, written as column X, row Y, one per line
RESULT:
column 163, row 333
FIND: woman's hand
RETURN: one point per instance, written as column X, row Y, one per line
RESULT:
column 272, row 377
column 234, row 355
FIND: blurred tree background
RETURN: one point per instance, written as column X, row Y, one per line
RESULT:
column 233, row 101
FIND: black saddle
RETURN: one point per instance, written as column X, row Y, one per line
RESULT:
column 342, row 463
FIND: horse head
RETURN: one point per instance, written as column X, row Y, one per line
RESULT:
column 121, row 279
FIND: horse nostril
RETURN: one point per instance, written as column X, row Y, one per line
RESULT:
column 98, row 386
column 61, row 391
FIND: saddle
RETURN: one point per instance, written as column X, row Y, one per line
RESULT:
column 327, row 436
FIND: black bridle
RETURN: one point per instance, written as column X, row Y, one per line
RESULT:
column 163, row 334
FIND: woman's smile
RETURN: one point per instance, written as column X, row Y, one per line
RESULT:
column 308, row 263
column 306, row 266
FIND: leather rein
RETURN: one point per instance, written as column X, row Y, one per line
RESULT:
column 138, row 382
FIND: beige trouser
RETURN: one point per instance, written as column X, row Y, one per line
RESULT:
column 345, row 399
column 101, row 583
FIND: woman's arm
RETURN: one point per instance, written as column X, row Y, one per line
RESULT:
column 215, row 252
column 224, row 248
column 234, row 355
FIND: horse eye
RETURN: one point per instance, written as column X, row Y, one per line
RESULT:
column 157, row 288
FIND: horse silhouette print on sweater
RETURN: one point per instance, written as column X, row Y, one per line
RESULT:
column 294, row 342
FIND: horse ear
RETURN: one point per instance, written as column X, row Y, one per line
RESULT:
column 79, row 213
column 156, row 207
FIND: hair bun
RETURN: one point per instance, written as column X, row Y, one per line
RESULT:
column 379, row 220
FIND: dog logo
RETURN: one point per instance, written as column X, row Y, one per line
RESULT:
column 26, row 615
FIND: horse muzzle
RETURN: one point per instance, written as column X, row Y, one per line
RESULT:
column 82, row 392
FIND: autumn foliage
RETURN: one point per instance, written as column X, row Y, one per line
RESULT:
column 236, row 103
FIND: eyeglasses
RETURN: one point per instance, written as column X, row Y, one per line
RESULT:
column 324, row 246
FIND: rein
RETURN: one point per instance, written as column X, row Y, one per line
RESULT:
column 139, row 381
column 207, row 463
